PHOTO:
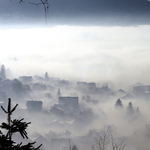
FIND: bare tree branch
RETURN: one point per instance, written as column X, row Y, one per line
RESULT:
column 102, row 138
column 21, row 1
column 45, row 4
column 117, row 146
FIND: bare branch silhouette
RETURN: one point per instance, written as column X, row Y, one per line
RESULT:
column 45, row 4
column 21, row 1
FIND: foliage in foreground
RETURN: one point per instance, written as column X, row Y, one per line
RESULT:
column 14, row 126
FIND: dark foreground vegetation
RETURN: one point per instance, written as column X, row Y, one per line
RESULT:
column 14, row 126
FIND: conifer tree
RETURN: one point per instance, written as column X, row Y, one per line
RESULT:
column 3, row 72
column 58, row 93
column 130, row 109
column 46, row 76
column 118, row 104
column 14, row 126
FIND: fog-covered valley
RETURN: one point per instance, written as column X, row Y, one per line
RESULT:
column 65, row 113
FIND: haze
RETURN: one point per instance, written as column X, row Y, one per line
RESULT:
column 105, row 42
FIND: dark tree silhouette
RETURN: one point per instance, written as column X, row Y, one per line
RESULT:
column 130, row 109
column 3, row 72
column 104, row 139
column 45, row 4
column 13, row 126
column 74, row 147
column 46, row 76
column 118, row 104
column 138, row 110
column 58, row 93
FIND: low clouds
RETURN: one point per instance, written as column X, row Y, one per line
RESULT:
column 78, row 12
column 74, row 52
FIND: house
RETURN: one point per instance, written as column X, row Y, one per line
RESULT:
column 34, row 105
column 91, row 85
column 59, row 142
column 127, row 96
column 69, row 101
column 81, row 84
column 26, row 79
column 39, row 86
column 139, row 87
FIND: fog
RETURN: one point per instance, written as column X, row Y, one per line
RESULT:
column 83, row 53
column 54, row 123
column 81, row 74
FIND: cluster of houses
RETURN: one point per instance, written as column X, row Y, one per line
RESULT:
column 62, row 101
column 65, row 106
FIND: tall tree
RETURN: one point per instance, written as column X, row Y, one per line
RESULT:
column 118, row 104
column 130, row 109
column 46, row 76
column 58, row 93
column 3, row 72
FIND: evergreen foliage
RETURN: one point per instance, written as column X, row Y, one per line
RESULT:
column 46, row 76
column 118, row 104
column 3, row 72
column 13, row 126
column 59, row 93
column 130, row 109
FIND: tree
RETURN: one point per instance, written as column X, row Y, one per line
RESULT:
column 138, row 110
column 118, row 104
column 13, row 126
column 104, row 139
column 45, row 4
column 130, row 109
column 46, row 76
column 58, row 93
column 74, row 147
column 115, row 145
column 3, row 72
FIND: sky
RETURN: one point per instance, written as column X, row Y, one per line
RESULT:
column 86, row 40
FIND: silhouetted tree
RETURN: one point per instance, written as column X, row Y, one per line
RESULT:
column 118, row 104
column 138, row 110
column 45, row 4
column 104, row 139
column 3, row 72
column 13, row 126
column 58, row 93
column 46, row 76
column 74, row 147
column 115, row 145
column 137, row 113
column 130, row 109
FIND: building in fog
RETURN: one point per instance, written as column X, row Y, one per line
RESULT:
column 81, row 84
column 26, row 79
column 139, row 87
column 69, row 101
column 34, row 105
column 91, row 85
column 59, row 143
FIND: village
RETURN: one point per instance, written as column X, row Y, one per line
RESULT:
column 59, row 109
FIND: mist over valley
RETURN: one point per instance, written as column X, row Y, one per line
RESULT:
column 79, row 72
column 64, row 112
